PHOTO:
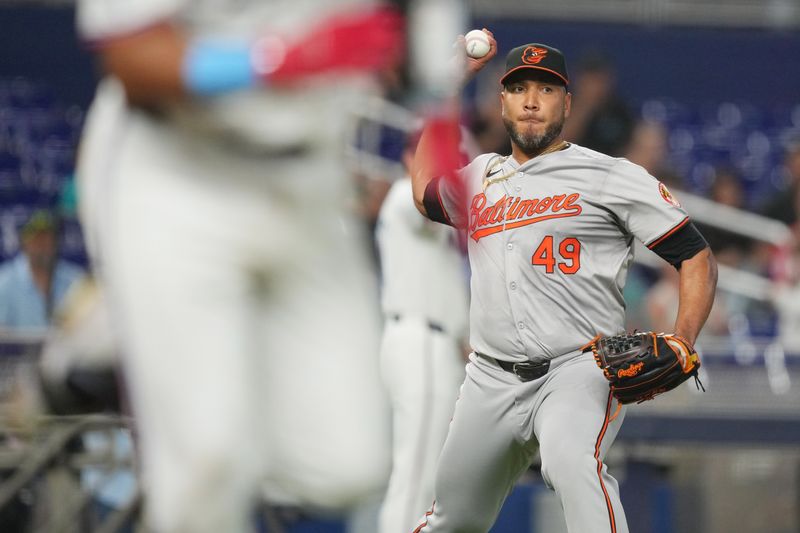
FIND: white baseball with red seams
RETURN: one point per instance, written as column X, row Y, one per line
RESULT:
column 477, row 44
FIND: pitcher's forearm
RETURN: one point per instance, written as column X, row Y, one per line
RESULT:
column 698, row 283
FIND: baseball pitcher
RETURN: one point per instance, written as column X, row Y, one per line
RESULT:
column 550, row 229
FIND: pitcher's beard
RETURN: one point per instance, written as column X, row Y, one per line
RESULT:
column 532, row 144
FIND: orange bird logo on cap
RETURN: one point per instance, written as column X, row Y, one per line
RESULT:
column 532, row 55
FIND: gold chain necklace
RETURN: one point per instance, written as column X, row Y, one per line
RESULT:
column 550, row 149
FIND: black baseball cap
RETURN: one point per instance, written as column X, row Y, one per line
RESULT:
column 536, row 56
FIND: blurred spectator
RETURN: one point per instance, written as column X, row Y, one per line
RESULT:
column 112, row 485
column 783, row 206
column 78, row 367
column 783, row 267
column 640, row 279
column 488, row 129
column 729, row 248
column 486, row 120
column 33, row 284
column 648, row 148
column 786, row 298
column 661, row 303
column 600, row 119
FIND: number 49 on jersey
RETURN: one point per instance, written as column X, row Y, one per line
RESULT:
column 568, row 258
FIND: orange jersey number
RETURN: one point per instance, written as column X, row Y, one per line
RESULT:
column 569, row 251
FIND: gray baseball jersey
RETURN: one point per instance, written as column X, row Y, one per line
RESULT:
column 550, row 245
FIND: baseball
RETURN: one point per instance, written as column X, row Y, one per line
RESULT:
column 477, row 44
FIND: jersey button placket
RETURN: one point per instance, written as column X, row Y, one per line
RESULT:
column 511, row 262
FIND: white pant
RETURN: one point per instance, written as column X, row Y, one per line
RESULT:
column 423, row 370
column 250, row 323
column 493, row 437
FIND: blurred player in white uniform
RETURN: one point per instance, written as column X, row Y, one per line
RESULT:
column 213, row 195
column 425, row 305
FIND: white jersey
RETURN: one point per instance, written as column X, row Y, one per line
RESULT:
column 425, row 304
column 424, row 274
column 228, row 252
column 270, row 118
column 550, row 245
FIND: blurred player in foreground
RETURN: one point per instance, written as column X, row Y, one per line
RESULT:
column 214, row 193
column 425, row 305
column 550, row 229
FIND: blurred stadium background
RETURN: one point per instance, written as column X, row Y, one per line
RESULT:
column 704, row 93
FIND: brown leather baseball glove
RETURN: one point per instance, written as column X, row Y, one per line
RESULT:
column 643, row 365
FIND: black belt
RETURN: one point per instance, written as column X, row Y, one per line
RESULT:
column 527, row 371
column 435, row 326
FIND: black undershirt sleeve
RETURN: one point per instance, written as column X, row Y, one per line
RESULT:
column 433, row 204
column 681, row 245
